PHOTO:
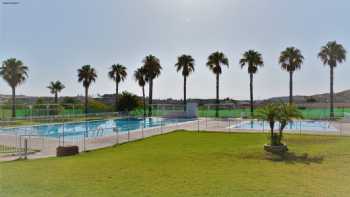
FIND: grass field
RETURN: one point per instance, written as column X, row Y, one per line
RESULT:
column 189, row 164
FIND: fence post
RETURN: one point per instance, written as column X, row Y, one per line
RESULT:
column 63, row 134
column 143, row 126
column 198, row 125
column 25, row 148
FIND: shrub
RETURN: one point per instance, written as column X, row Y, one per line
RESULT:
column 128, row 102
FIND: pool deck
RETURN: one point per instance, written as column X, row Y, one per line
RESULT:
column 46, row 147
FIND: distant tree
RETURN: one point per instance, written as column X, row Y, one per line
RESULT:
column 14, row 72
column 117, row 73
column 331, row 55
column 55, row 88
column 185, row 63
column 152, row 69
column 253, row 60
column 86, row 75
column 140, row 77
column 291, row 59
column 215, row 62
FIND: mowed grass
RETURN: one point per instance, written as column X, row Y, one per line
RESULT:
column 189, row 164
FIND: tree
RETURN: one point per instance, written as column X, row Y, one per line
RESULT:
column 140, row 77
column 128, row 101
column 253, row 60
column 291, row 59
column 185, row 63
column 117, row 73
column 55, row 88
column 86, row 75
column 332, row 54
column 152, row 69
column 282, row 113
column 215, row 62
column 14, row 72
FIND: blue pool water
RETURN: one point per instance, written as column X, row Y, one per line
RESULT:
column 93, row 128
column 321, row 126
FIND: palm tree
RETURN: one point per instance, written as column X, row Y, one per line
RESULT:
column 14, row 72
column 140, row 77
column 253, row 60
column 186, row 64
column 291, row 59
column 332, row 54
column 118, row 74
column 55, row 88
column 215, row 61
column 152, row 69
column 86, row 75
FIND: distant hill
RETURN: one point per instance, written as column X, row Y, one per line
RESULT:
column 340, row 97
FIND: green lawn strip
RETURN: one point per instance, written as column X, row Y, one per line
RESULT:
column 189, row 164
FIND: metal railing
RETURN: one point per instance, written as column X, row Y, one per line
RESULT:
column 90, row 135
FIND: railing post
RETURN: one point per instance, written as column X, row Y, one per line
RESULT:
column 25, row 148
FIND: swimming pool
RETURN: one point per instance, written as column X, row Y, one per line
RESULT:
column 304, row 125
column 92, row 128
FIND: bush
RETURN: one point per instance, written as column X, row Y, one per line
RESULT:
column 44, row 110
column 98, row 107
column 128, row 102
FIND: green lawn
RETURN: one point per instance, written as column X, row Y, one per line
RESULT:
column 189, row 164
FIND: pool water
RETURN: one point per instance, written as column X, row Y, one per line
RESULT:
column 305, row 125
column 93, row 128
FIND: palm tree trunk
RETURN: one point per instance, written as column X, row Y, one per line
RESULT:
column 331, row 93
column 251, row 96
column 185, row 99
column 116, row 96
column 86, row 99
column 217, row 95
column 291, row 87
column 56, row 98
column 13, row 102
column 144, row 101
column 150, row 97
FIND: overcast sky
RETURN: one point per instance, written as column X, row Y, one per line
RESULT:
column 56, row 37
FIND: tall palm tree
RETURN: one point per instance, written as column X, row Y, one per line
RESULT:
column 14, row 72
column 140, row 77
column 117, row 73
column 215, row 61
column 55, row 88
column 153, row 69
column 186, row 64
column 253, row 60
column 291, row 59
column 331, row 55
column 86, row 75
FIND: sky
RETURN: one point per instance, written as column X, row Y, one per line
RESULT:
column 56, row 37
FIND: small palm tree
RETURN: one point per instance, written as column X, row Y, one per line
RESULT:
column 287, row 113
column 14, row 72
column 86, row 75
column 331, row 55
column 278, row 112
column 186, row 64
column 291, row 59
column 55, row 88
column 215, row 62
column 152, row 67
column 140, row 77
column 117, row 73
column 253, row 60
